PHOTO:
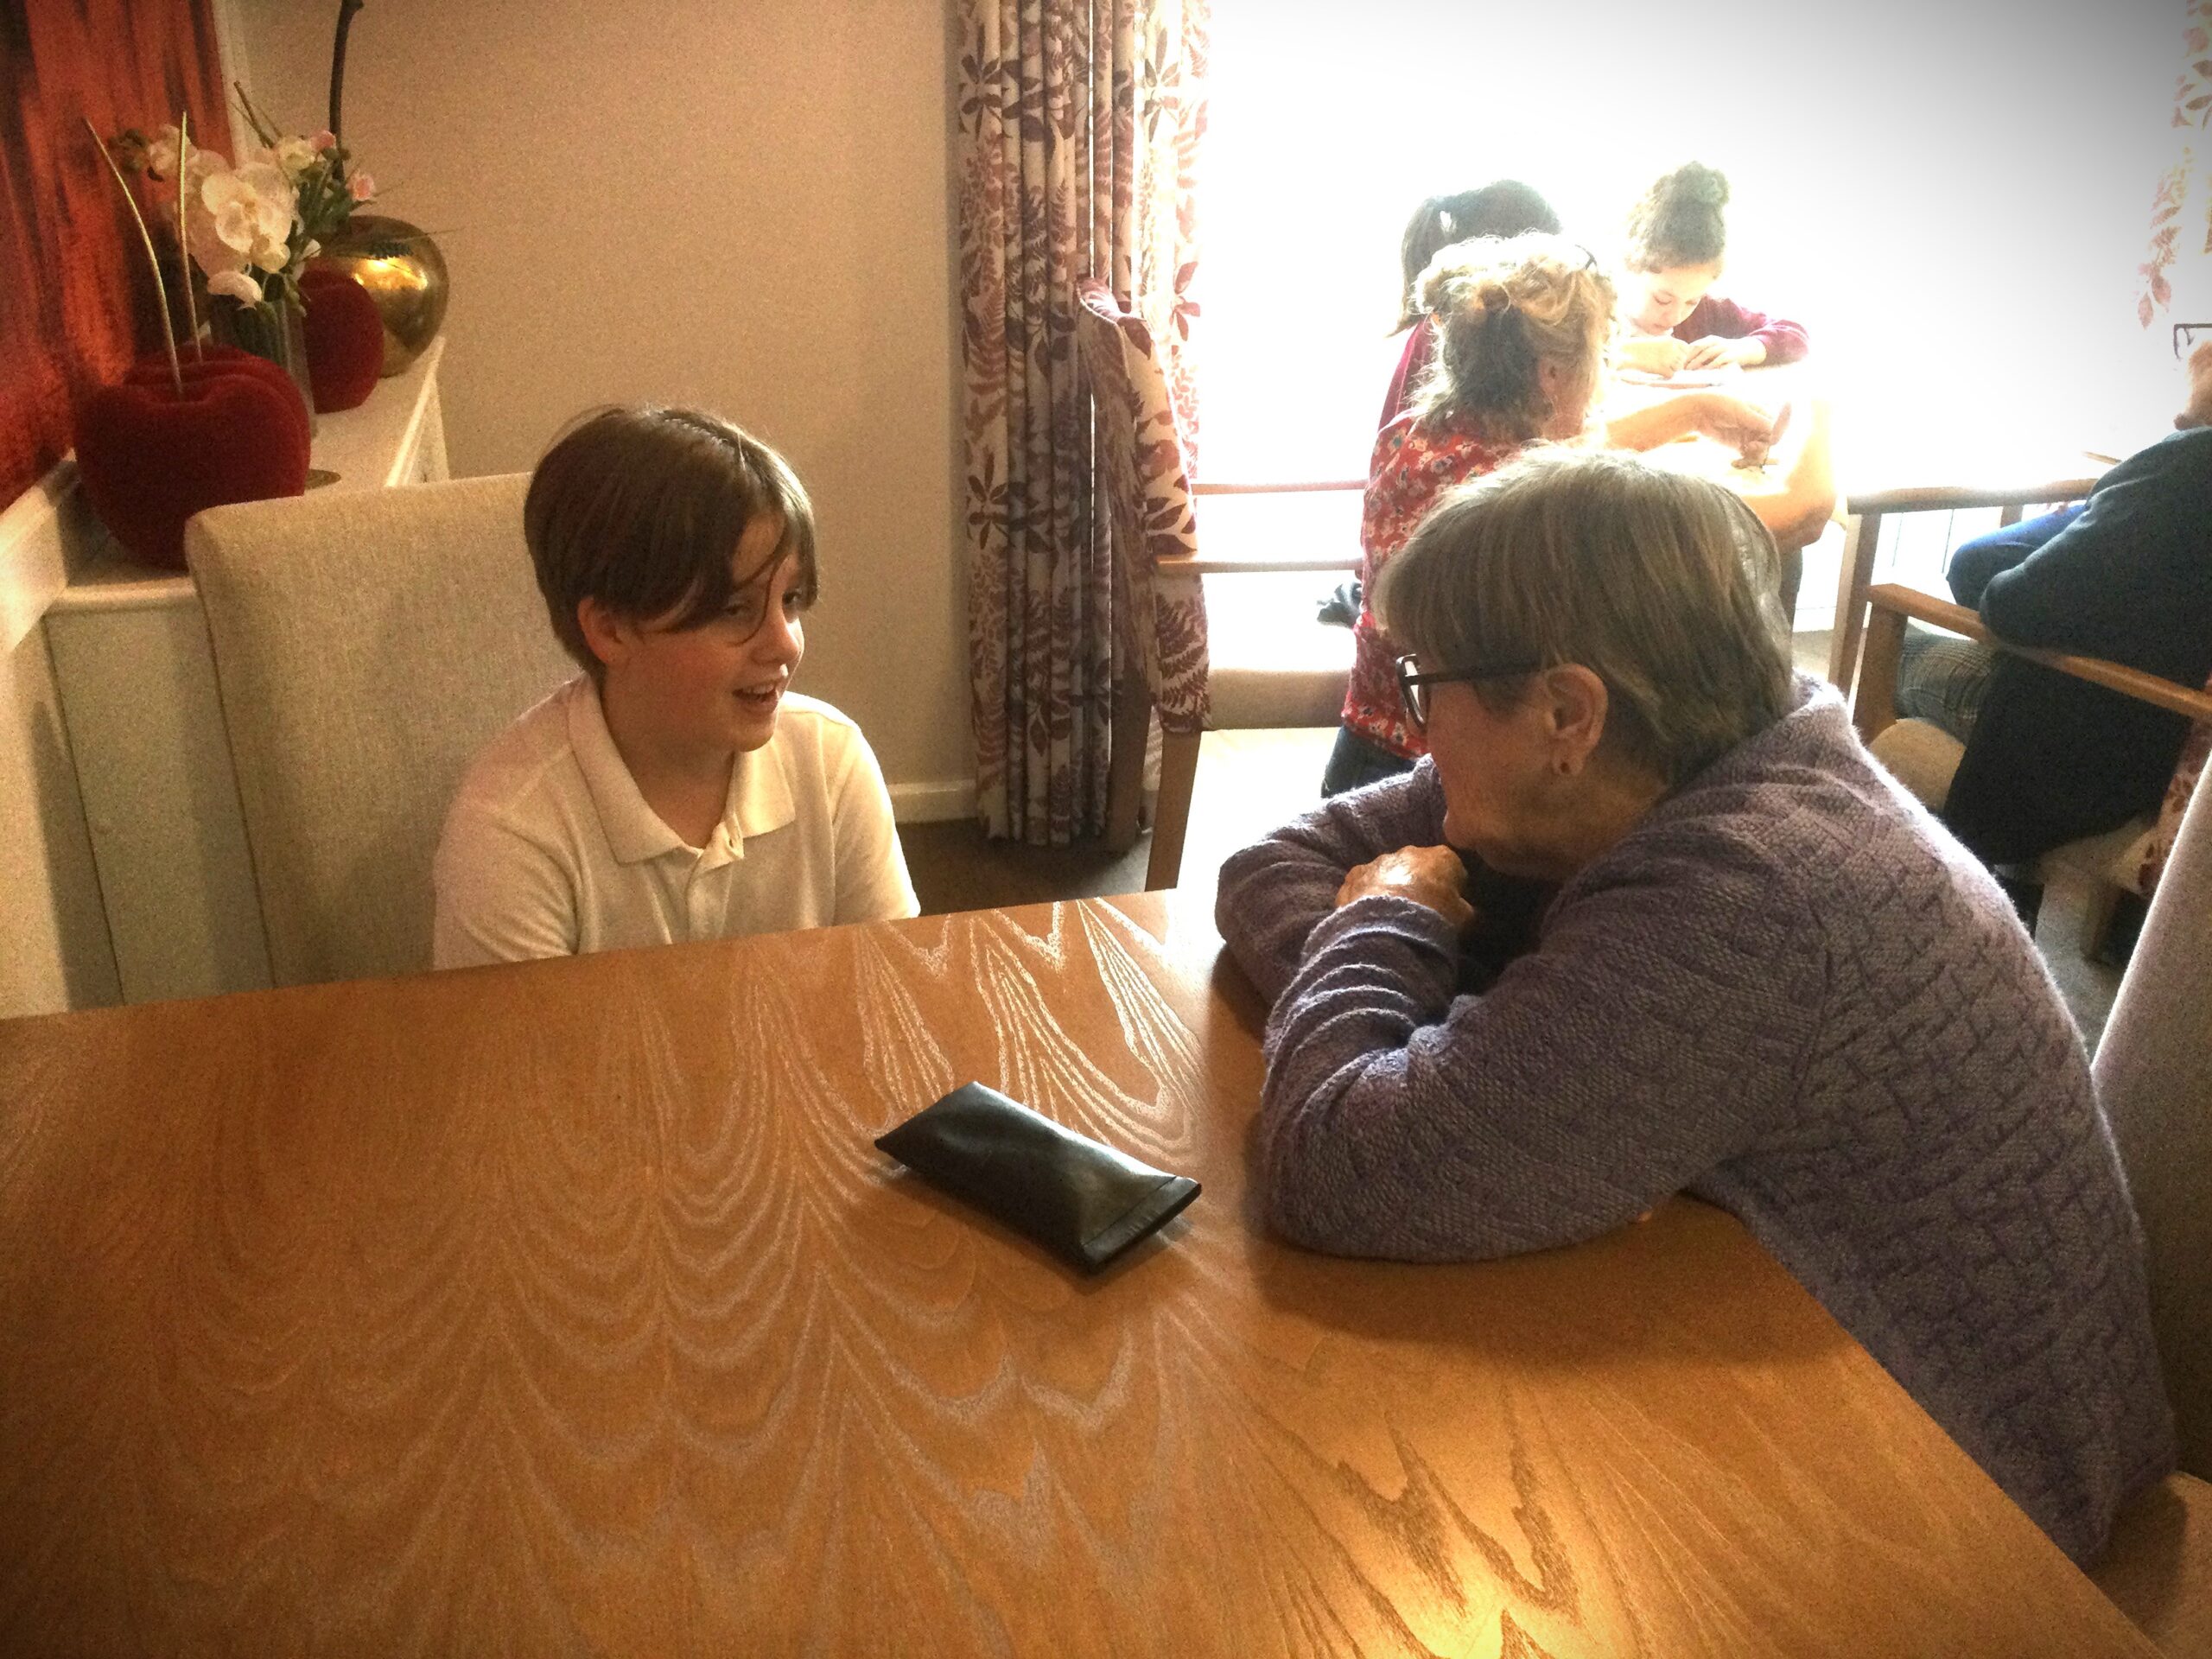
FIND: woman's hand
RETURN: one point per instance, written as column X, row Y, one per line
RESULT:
column 1745, row 428
column 1433, row 876
column 1651, row 353
column 1715, row 352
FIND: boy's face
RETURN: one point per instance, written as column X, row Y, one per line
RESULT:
column 715, row 689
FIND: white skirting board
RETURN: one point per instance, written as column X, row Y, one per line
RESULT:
column 933, row 803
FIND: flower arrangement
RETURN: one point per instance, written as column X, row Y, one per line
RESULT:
column 252, row 227
column 172, row 437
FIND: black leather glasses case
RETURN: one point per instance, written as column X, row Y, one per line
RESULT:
column 1084, row 1201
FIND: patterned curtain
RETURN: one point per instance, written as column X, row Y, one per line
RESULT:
column 2181, row 212
column 1080, row 122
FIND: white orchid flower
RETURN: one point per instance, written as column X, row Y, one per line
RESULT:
column 202, row 163
column 250, row 211
column 236, row 285
column 294, row 156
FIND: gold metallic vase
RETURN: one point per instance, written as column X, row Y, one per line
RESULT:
column 405, row 275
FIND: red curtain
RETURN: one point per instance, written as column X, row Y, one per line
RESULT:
column 76, row 302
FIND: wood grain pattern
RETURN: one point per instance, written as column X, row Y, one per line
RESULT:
column 567, row 1308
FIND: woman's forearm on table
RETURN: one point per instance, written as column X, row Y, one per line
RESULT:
column 1624, row 1061
column 1653, row 424
column 1270, row 895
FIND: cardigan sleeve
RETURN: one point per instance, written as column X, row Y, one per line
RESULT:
column 1270, row 895
column 1785, row 342
column 1663, row 1024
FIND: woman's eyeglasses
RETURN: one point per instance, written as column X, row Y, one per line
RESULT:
column 1412, row 686
column 2188, row 333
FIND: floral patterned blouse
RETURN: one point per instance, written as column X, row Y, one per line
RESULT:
column 1412, row 465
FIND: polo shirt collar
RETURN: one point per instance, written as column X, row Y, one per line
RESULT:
column 760, row 794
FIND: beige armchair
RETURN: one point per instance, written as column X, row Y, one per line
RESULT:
column 2154, row 1076
column 365, row 646
column 1924, row 758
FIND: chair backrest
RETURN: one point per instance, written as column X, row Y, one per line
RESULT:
column 2154, row 1074
column 366, row 645
column 1147, row 495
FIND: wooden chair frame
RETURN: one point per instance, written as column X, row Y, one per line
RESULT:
column 1863, row 515
column 1179, row 758
column 1890, row 605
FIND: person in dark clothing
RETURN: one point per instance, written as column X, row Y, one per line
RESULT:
column 2126, row 575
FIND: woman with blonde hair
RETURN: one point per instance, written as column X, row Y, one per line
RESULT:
column 1504, row 208
column 1762, row 977
column 1522, row 325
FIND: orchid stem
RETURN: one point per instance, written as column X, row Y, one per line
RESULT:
column 153, row 260
column 183, row 236
column 346, row 10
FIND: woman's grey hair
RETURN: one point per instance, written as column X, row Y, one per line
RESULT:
column 1666, row 587
column 1502, row 307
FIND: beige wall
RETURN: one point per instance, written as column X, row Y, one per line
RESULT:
column 54, row 947
column 739, row 206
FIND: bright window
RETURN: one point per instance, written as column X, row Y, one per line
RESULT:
column 1962, row 181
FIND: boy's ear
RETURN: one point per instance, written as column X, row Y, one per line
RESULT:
column 604, row 632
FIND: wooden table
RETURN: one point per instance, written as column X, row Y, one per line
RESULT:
column 567, row 1308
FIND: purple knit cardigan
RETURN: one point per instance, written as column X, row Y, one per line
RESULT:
column 1786, row 992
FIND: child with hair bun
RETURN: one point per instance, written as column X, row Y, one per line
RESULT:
column 1676, row 236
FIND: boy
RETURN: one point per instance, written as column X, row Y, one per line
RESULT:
column 677, row 789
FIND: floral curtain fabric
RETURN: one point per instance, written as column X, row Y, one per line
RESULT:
column 2181, row 211
column 1080, row 123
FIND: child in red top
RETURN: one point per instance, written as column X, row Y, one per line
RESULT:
column 1504, row 208
column 1675, row 238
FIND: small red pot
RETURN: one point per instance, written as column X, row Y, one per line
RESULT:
column 345, row 339
column 148, row 460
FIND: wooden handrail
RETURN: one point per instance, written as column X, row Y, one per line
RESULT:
column 1938, row 498
column 1301, row 486
column 1267, row 564
column 2192, row 701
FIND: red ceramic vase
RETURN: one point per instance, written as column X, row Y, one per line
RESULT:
column 210, row 357
column 345, row 339
column 149, row 460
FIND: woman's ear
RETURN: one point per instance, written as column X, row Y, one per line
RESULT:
column 608, row 634
column 1575, row 707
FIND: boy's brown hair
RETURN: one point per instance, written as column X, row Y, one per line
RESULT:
column 641, row 509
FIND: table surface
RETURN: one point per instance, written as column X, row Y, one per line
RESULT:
column 1902, row 443
column 567, row 1307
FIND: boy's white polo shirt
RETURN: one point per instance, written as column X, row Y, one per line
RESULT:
column 550, row 849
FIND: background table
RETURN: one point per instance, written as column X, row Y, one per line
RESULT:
column 567, row 1307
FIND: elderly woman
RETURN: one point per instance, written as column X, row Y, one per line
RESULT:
column 1764, row 977
column 1522, row 325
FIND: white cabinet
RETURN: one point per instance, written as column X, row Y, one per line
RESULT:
column 137, row 683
